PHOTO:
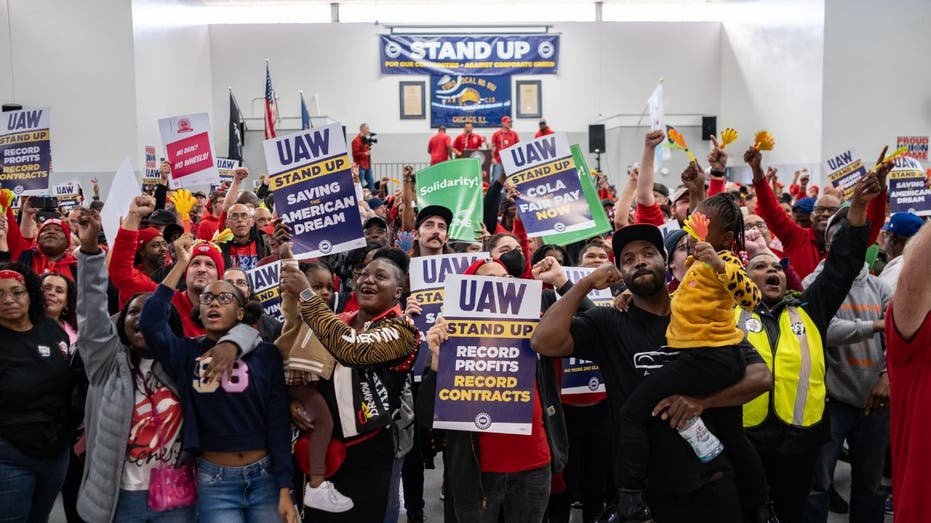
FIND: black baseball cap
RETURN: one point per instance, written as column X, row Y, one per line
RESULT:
column 433, row 210
column 637, row 232
column 375, row 220
column 161, row 217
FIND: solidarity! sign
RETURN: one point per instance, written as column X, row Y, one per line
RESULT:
column 467, row 54
column 551, row 199
column 313, row 190
column 456, row 185
column 26, row 151
column 487, row 370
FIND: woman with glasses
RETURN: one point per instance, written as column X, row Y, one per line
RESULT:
column 36, row 383
column 238, row 419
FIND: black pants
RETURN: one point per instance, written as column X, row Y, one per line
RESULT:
column 715, row 502
column 412, row 472
column 69, row 489
column 693, row 372
column 588, row 471
column 365, row 477
column 790, row 478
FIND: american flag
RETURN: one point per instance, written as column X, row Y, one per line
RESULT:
column 271, row 108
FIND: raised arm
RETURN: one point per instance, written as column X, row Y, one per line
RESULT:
column 622, row 207
column 767, row 204
column 492, row 202
column 717, row 159
column 127, row 279
column 409, row 198
column 646, row 177
column 912, row 300
column 97, row 343
column 240, row 174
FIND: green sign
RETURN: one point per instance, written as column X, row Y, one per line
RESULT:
column 456, row 185
column 602, row 225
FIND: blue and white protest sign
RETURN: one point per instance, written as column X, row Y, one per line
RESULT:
column 226, row 167
column 844, row 171
column 469, row 54
column 479, row 100
column 428, row 275
column 551, row 200
column 26, row 152
column 908, row 188
column 487, row 370
column 602, row 297
column 313, row 190
column 264, row 282
column 69, row 194
column 582, row 376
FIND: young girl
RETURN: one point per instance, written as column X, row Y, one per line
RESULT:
column 703, row 326
column 306, row 362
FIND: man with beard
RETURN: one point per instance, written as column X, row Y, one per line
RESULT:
column 430, row 231
column 151, row 251
column 247, row 246
column 628, row 347
column 205, row 267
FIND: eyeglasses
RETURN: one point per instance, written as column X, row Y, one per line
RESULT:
column 225, row 298
column 18, row 294
column 820, row 209
column 758, row 225
column 238, row 217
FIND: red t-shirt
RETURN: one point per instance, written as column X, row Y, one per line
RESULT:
column 244, row 257
column 502, row 140
column 438, row 148
column 504, row 453
column 545, row 132
column 463, row 142
column 359, row 148
column 909, row 367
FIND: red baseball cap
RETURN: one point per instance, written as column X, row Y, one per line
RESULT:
column 505, row 119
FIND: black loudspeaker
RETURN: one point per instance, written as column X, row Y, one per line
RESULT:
column 709, row 127
column 596, row 138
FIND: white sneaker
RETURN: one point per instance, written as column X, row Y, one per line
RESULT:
column 326, row 498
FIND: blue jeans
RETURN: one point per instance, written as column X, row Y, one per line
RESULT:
column 366, row 179
column 133, row 507
column 29, row 486
column 236, row 494
column 868, row 438
column 394, row 493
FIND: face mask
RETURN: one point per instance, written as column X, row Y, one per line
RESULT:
column 514, row 262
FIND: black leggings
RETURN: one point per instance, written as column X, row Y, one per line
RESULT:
column 695, row 372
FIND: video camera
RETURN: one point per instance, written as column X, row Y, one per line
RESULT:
column 369, row 139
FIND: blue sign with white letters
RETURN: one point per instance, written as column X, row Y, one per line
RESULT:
column 479, row 100
column 471, row 55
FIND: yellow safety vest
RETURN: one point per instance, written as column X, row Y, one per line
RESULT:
column 797, row 364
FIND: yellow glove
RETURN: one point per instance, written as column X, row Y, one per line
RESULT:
column 183, row 201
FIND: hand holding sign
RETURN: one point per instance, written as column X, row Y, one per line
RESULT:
column 436, row 336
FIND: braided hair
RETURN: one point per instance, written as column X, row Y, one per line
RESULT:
column 730, row 215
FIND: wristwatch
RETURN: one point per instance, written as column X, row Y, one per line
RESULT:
column 306, row 295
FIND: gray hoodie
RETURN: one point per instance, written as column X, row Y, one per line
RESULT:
column 854, row 355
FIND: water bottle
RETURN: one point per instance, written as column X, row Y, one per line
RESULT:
column 706, row 445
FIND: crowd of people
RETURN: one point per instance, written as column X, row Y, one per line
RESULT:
column 143, row 380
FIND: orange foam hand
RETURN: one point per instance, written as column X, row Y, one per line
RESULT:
column 697, row 226
column 6, row 199
column 763, row 141
column 675, row 137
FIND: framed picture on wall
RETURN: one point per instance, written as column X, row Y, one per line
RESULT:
column 529, row 99
column 413, row 100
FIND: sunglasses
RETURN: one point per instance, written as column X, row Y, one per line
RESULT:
column 225, row 298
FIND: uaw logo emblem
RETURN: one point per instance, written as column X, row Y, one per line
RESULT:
column 593, row 383
column 483, row 421
column 797, row 328
column 184, row 126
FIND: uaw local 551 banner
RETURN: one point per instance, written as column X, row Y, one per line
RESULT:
column 908, row 189
column 551, row 199
column 844, row 171
column 479, row 100
column 313, row 190
column 583, row 378
column 456, row 185
column 467, row 54
column 189, row 149
column 487, row 369
column 264, row 281
column 428, row 276
column 26, row 151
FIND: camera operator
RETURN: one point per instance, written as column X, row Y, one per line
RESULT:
column 362, row 156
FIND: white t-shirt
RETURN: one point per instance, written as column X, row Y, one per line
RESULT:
column 143, row 448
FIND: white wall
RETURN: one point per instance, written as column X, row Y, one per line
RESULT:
column 76, row 57
column 876, row 73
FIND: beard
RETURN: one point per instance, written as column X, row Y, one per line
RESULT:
column 645, row 288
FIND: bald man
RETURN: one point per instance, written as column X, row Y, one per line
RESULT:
column 248, row 245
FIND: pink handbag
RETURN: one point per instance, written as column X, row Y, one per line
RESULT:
column 169, row 487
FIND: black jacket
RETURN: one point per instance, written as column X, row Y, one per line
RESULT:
column 261, row 248
column 820, row 301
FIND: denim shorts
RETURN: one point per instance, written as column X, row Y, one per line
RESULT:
column 236, row 494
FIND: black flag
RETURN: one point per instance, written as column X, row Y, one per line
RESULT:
column 237, row 130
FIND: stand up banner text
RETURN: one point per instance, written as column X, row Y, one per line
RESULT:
column 189, row 149
column 908, row 189
column 917, row 146
column 479, row 100
column 469, row 54
column 313, row 190
column 582, row 377
column 487, row 369
column 844, row 171
column 551, row 199
column 456, row 185
column 25, row 146
column 264, row 281
column 428, row 276
column 602, row 223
